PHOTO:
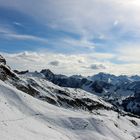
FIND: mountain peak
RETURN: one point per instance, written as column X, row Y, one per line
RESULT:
column 46, row 71
column 2, row 60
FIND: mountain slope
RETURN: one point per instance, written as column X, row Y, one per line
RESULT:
column 24, row 117
column 121, row 91
column 32, row 107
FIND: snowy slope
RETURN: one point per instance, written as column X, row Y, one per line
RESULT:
column 121, row 91
column 40, row 88
column 26, row 118
column 33, row 108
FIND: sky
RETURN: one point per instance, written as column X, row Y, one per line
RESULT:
column 71, row 36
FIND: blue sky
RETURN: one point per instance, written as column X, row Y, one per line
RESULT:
column 84, row 33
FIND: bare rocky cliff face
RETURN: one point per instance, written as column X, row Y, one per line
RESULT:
column 2, row 60
column 5, row 71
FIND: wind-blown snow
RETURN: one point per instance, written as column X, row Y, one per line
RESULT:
column 25, row 118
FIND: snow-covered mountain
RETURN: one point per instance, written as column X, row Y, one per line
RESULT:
column 117, row 90
column 25, row 117
column 42, row 105
column 36, row 85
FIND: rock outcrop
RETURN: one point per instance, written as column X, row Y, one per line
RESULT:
column 2, row 60
column 5, row 71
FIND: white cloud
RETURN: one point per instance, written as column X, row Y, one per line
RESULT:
column 68, row 64
column 4, row 30
column 18, row 24
column 103, row 56
column 85, row 17
column 83, row 42
column 97, row 67
column 8, row 33
column 54, row 63
column 25, row 37
column 129, row 53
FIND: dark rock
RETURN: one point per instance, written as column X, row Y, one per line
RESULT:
column 48, row 99
column 97, row 87
column 2, row 60
column 21, row 72
column 48, row 74
column 6, row 73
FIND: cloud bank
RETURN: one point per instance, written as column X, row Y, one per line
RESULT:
column 67, row 64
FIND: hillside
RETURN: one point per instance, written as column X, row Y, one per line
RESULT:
column 32, row 107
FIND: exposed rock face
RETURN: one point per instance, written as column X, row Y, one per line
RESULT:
column 5, row 71
column 132, row 104
column 2, row 60
column 21, row 72
column 62, row 80
column 48, row 74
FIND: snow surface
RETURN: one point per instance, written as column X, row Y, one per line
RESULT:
column 47, row 88
column 114, row 89
column 24, row 117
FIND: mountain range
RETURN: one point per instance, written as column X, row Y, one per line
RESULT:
column 43, row 105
